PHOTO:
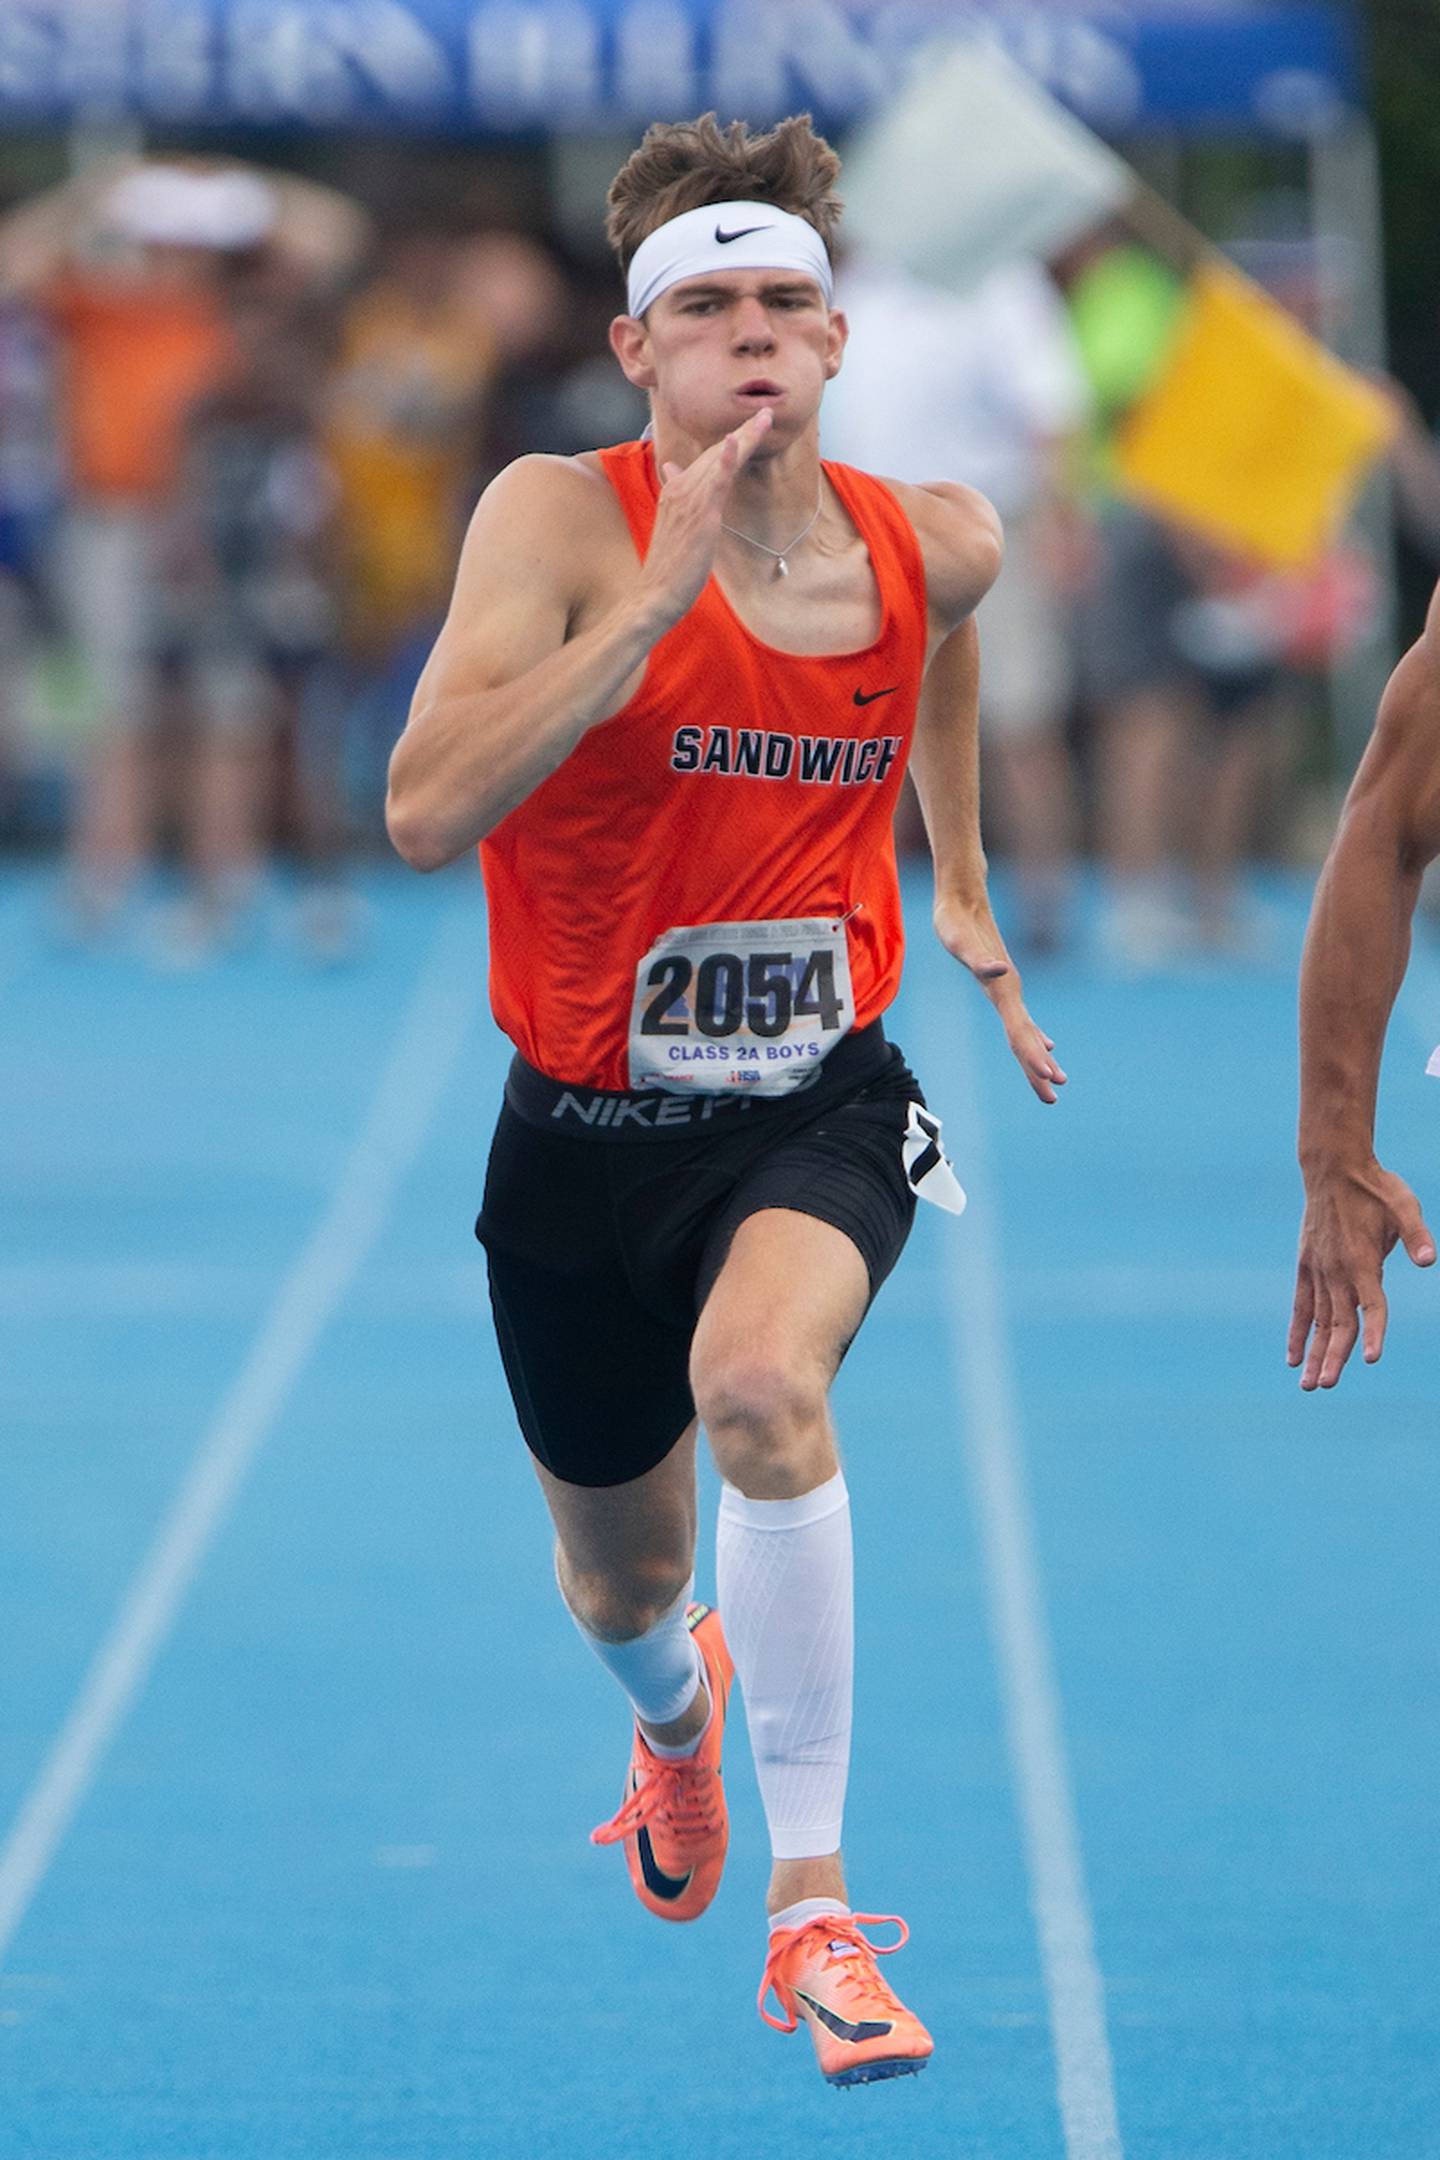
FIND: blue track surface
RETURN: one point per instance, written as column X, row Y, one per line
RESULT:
column 327, row 1894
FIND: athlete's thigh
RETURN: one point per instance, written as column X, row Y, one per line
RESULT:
column 790, row 1288
column 599, row 1379
column 809, row 1235
column 601, row 1388
column 620, row 1529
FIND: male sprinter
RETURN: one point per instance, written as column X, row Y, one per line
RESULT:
column 674, row 700
column 1355, row 956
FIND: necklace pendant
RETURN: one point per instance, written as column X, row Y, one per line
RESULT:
column 782, row 568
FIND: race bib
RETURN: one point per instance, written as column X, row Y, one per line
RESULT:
column 740, row 1005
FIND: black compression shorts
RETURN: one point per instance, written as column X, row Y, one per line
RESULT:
column 607, row 1218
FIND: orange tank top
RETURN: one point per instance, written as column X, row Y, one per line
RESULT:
column 739, row 784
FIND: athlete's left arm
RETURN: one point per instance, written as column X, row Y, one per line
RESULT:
column 960, row 538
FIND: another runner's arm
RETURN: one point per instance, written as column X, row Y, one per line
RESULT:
column 1356, row 950
column 1358, row 941
column 960, row 535
column 508, row 691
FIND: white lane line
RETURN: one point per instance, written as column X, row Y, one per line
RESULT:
column 994, row 1452
column 172, row 1291
column 1157, row 1292
column 135, row 1290
column 409, row 1091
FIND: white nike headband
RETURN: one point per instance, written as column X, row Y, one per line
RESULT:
column 726, row 236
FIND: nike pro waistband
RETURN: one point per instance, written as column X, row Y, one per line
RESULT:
column 616, row 1114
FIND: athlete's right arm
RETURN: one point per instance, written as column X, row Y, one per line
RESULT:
column 509, row 689
column 507, row 693
column 1356, row 951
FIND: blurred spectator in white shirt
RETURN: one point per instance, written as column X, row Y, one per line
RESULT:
column 986, row 388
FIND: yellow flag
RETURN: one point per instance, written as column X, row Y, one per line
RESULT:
column 1253, row 433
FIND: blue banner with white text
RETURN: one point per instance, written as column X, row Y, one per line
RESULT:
column 512, row 66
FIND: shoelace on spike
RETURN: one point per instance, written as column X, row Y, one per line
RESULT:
column 685, row 1789
column 830, row 1928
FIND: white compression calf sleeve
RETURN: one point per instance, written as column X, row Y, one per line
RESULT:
column 786, row 1597
column 659, row 1670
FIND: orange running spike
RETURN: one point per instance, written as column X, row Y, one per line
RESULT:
column 824, row 1971
column 672, row 1819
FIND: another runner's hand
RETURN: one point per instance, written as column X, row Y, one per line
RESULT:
column 689, row 517
column 969, row 934
column 1353, row 1219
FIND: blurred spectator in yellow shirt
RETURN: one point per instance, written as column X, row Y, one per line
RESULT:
column 423, row 349
column 416, row 359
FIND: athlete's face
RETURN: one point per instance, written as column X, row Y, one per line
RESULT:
column 715, row 347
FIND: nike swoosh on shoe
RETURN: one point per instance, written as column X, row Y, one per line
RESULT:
column 657, row 1882
column 868, row 2029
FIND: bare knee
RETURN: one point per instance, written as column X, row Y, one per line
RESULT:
column 617, row 1605
column 766, row 1417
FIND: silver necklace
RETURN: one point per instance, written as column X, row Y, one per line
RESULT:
column 782, row 568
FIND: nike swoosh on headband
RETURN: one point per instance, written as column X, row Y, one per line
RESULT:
column 868, row 697
column 707, row 238
column 868, row 2029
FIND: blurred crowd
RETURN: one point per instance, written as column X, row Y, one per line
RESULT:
column 1148, row 699
column 240, row 436
column 241, row 431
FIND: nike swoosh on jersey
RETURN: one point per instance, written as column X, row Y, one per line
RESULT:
column 868, row 2029
column 868, row 697
column 725, row 238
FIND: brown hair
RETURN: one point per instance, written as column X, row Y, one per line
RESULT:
column 684, row 164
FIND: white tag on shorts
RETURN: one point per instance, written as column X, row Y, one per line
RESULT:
column 740, row 1005
column 1433, row 1068
column 928, row 1168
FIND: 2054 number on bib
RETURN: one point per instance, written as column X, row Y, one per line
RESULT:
column 740, row 1005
